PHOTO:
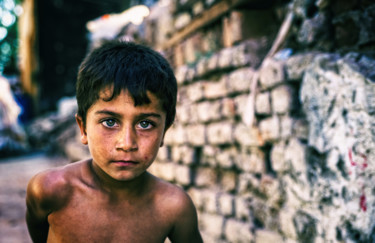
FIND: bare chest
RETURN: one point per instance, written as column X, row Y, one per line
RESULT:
column 93, row 218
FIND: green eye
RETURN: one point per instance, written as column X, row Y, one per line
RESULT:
column 145, row 124
column 109, row 123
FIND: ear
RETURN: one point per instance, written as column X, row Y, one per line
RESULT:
column 82, row 129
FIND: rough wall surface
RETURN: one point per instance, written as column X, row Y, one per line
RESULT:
column 304, row 172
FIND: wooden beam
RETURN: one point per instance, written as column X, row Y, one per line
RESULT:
column 207, row 17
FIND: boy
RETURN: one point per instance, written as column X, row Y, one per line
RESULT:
column 126, row 95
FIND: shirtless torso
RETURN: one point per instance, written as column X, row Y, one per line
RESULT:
column 72, row 205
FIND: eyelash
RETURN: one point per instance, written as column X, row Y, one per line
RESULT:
column 149, row 123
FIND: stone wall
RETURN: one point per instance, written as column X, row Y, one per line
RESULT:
column 303, row 172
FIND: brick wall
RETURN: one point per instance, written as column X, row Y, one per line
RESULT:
column 290, row 177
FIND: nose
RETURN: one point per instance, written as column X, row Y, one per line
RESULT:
column 127, row 140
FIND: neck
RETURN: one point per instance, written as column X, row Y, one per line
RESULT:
column 133, row 187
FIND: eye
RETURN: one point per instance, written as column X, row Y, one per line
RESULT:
column 109, row 123
column 145, row 124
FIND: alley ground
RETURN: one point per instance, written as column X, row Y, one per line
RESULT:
column 14, row 175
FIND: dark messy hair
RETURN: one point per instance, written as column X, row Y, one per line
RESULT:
column 126, row 66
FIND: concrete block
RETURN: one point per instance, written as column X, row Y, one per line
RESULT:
column 238, row 231
column 196, row 134
column 252, row 160
column 205, row 177
column 211, row 224
column 262, row 236
column 220, row 133
column 226, row 204
column 209, row 111
column 278, row 161
column 183, row 175
column 282, row 99
column 195, row 92
column 247, row 136
column 215, row 89
column 270, row 128
column 263, row 103
column 241, row 206
column 239, row 81
column 271, row 74
column 228, row 181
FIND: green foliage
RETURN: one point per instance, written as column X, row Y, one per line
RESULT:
column 10, row 10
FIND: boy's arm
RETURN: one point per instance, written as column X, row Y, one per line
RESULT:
column 45, row 192
column 36, row 217
column 186, row 224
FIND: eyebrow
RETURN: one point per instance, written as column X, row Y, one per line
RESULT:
column 142, row 115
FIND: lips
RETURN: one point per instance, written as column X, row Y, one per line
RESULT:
column 125, row 163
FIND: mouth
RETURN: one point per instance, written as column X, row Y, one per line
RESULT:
column 124, row 163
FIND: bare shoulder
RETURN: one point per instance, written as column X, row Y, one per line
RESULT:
column 181, row 211
column 51, row 188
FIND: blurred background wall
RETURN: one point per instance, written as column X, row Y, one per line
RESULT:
column 274, row 137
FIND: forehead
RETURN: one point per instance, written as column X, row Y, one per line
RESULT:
column 106, row 98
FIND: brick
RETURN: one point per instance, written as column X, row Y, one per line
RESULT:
column 286, row 217
column 297, row 64
column 183, row 175
column 263, row 103
column 163, row 154
column 201, row 67
column 184, row 154
column 228, row 181
column 240, row 102
column 246, row 182
column 238, row 231
column 270, row 128
column 196, row 196
column 239, row 81
column 253, row 160
column 164, row 171
column 262, row 236
column 225, row 59
column 271, row 74
column 205, row 177
column 270, row 187
column 295, row 154
column 282, row 99
column 210, row 201
column 209, row 155
column 286, row 127
column 226, row 157
column 209, row 111
column 247, row 136
column 212, row 63
column 241, row 208
column 278, row 161
column 190, row 74
column 211, row 224
column 242, row 57
column 183, row 113
column 226, row 204
column 215, row 89
column 175, row 135
column 220, row 133
column 195, row 92
column 196, row 134
column 228, row 108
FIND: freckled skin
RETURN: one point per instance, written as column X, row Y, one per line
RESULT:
column 111, row 197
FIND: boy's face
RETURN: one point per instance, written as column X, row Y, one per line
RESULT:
column 123, row 139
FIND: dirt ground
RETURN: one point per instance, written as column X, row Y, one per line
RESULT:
column 14, row 175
